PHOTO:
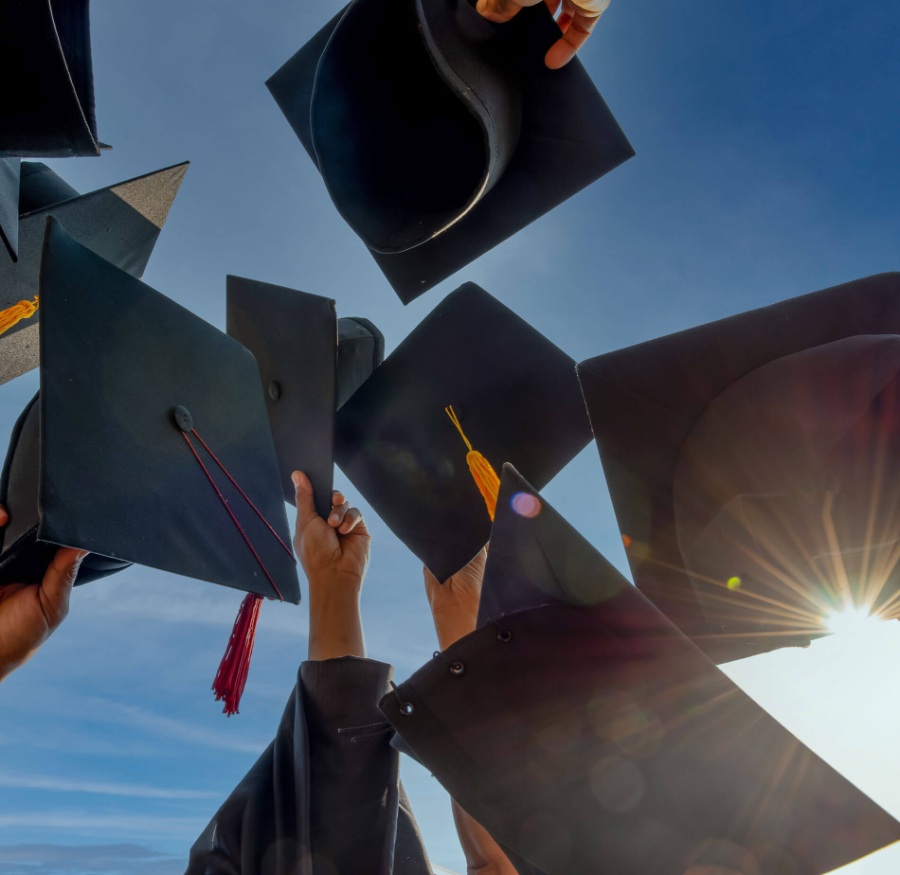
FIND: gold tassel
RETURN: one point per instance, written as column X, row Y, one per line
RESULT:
column 483, row 474
column 12, row 315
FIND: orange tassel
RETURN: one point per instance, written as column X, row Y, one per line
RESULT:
column 15, row 314
column 235, row 665
column 483, row 474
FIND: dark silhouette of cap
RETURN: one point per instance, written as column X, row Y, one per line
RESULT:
column 439, row 134
column 45, row 61
column 309, row 363
column 516, row 396
column 121, row 223
column 578, row 725
column 751, row 465
column 154, row 442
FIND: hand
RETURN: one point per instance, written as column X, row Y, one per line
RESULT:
column 454, row 604
column 576, row 22
column 334, row 554
column 30, row 612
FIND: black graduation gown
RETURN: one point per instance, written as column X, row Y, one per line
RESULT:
column 325, row 796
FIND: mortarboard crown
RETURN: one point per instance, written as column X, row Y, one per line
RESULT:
column 578, row 725
column 310, row 362
column 154, row 445
column 121, row 223
column 45, row 61
column 439, row 134
column 516, row 396
column 752, row 461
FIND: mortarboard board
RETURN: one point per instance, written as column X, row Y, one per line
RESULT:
column 309, row 363
column 120, row 223
column 748, row 461
column 516, row 396
column 9, row 205
column 45, row 60
column 439, row 134
column 146, row 413
column 581, row 728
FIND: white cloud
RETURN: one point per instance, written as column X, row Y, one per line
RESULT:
column 60, row 785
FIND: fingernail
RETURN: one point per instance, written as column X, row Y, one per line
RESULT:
column 295, row 479
column 335, row 517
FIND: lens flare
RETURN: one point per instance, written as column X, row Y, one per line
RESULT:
column 525, row 504
column 852, row 619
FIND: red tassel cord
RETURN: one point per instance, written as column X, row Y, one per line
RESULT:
column 231, row 676
column 235, row 665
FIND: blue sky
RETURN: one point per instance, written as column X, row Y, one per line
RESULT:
column 767, row 140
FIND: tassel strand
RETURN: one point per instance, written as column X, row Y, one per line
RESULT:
column 482, row 472
column 15, row 314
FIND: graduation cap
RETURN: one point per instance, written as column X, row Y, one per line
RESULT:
column 120, row 223
column 150, row 438
column 439, row 134
column 45, row 61
column 752, row 461
column 516, row 397
column 310, row 362
column 9, row 205
column 578, row 725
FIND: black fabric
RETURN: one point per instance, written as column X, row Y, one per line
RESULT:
column 648, row 401
column 324, row 798
column 117, row 360
column 517, row 398
column 121, row 223
column 309, row 362
column 293, row 336
column 587, row 734
column 23, row 559
column 360, row 351
column 45, row 61
column 439, row 134
column 9, row 205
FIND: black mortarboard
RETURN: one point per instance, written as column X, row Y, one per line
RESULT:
column 45, row 63
column 9, row 205
column 582, row 729
column 120, row 223
column 516, row 395
column 132, row 387
column 309, row 363
column 439, row 134
column 751, row 463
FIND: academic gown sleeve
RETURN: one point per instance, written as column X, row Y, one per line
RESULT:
column 325, row 797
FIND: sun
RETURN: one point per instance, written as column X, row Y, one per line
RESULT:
column 853, row 619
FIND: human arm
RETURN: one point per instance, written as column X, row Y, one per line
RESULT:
column 334, row 554
column 576, row 21
column 30, row 612
column 454, row 610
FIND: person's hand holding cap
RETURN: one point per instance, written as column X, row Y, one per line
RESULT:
column 29, row 613
column 576, row 21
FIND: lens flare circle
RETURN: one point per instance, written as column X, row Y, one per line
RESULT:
column 525, row 504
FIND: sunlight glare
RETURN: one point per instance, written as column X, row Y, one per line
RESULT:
column 853, row 619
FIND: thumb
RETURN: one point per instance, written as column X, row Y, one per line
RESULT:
column 306, row 505
column 57, row 584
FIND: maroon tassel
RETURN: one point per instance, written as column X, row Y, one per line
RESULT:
column 232, row 674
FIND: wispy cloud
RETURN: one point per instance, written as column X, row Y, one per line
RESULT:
column 47, row 859
column 92, row 824
column 59, row 785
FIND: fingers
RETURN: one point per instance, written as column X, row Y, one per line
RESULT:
column 578, row 19
column 4, row 516
column 500, row 11
column 343, row 517
column 576, row 31
column 57, row 584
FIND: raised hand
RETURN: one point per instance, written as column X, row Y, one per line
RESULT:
column 576, row 21
column 334, row 554
column 30, row 612
column 454, row 603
